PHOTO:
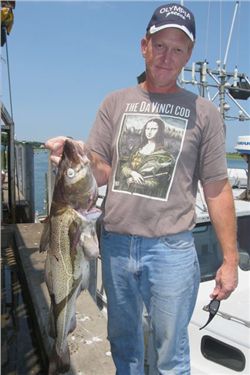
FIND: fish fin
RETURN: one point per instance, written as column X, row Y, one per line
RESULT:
column 52, row 323
column 86, row 273
column 52, row 330
column 45, row 220
column 44, row 241
column 90, row 247
column 91, row 201
column 73, row 324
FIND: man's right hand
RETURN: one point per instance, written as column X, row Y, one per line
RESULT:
column 55, row 145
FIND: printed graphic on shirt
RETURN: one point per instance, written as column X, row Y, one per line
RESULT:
column 148, row 148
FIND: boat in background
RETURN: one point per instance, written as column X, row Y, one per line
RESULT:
column 237, row 177
column 223, row 347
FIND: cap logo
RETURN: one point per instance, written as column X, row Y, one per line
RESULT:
column 177, row 11
column 172, row 15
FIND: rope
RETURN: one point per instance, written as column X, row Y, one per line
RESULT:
column 207, row 32
column 230, row 33
column 238, row 37
column 220, row 48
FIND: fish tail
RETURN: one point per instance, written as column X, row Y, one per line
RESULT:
column 59, row 364
column 52, row 326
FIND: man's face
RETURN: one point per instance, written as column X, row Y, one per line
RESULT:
column 166, row 53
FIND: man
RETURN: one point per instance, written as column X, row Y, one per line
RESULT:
column 147, row 247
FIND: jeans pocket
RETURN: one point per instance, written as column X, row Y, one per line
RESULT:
column 180, row 241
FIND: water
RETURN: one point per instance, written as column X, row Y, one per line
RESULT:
column 237, row 163
column 41, row 166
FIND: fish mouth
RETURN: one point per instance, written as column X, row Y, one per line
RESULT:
column 75, row 152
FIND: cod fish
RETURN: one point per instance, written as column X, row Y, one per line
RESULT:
column 69, row 237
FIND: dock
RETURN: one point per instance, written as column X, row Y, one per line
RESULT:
column 89, row 347
column 26, row 344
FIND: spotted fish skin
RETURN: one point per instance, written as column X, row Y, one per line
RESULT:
column 69, row 237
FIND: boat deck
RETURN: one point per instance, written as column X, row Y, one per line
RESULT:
column 90, row 351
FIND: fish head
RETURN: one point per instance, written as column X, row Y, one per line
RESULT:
column 75, row 184
column 75, row 164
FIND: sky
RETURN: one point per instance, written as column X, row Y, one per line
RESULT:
column 66, row 56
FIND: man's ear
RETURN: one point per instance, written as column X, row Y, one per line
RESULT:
column 190, row 50
column 144, row 44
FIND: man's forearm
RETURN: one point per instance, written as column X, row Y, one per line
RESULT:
column 221, row 209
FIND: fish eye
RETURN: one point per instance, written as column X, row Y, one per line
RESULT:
column 70, row 172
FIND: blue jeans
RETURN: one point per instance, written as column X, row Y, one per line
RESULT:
column 163, row 274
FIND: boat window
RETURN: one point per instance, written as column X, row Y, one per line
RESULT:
column 222, row 353
column 244, row 261
column 208, row 250
column 243, row 224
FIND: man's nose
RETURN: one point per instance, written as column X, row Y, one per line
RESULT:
column 166, row 55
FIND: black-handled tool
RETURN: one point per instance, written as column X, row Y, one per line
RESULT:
column 212, row 308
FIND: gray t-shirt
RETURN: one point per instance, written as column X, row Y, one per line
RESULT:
column 159, row 146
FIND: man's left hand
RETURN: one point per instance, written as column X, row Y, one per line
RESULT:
column 226, row 281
